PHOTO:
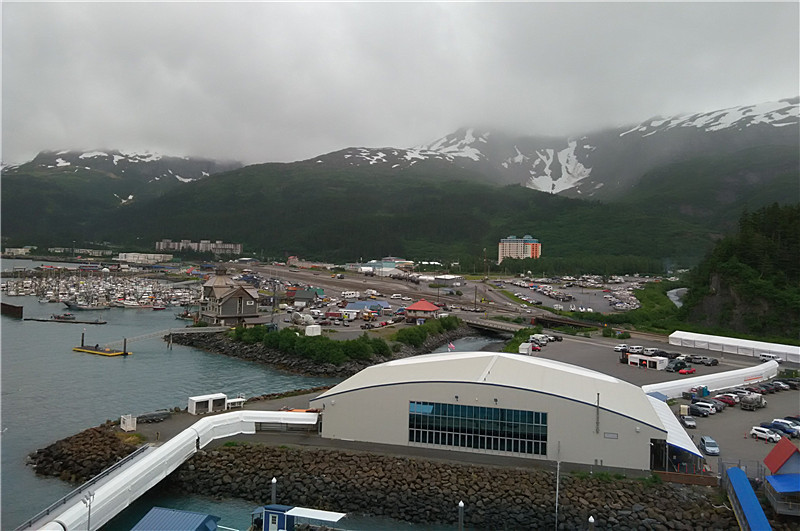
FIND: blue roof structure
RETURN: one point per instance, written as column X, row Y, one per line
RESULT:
column 176, row 520
column 367, row 305
column 785, row 483
column 659, row 396
column 751, row 508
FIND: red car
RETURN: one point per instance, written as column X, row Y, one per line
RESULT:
column 536, row 348
column 687, row 370
column 726, row 399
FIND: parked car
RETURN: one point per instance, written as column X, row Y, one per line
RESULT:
column 757, row 432
column 726, row 399
column 765, row 388
column 795, row 418
column 707, row 406
column 687, row 370
column 676, row 365
column 621, row 348
column 696, row 358
column 535, row 348
column 783, row 429
column 780, row 385
column 698, row 411
column 793, row 384
column 718, row 404
column 688, row 421
column 709, row 445
column 791, row 428
column 732, row 396
column 672, row 355
column 711, row 361
column 554, row 337
column 636, row 349
column 650, row 351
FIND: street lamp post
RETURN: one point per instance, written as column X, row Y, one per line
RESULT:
column 274, row 491
column 87, row 500
column 461, row 516
column 591, row 523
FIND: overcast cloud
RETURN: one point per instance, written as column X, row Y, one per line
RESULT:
column 260, row 82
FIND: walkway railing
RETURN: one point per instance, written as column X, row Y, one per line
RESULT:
column 85, row 486
column 168, row 331
column 122, row 488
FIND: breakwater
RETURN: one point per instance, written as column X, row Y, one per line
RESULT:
column 222, row 344
column 419, row 490
column 82, row 456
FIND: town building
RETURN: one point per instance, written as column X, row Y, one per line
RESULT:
column 783, row 486
column 203, row 246
column 143, row 258
column 513, row 247
column 226, row 302
column 507, row 405
column 421, row 311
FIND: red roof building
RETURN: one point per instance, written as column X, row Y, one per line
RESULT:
column 421, row 309
column 784, row 458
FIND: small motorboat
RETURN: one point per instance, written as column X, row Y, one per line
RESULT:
column 62, row 317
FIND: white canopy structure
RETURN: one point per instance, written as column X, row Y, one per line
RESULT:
column 732, row 345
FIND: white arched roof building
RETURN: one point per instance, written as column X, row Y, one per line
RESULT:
column 504, row 404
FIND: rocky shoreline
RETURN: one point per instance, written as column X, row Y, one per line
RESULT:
column 80, row 457
column 420, row 490
column 222, row 344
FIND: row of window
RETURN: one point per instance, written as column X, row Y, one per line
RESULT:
column 479, row 442
column 479, row 427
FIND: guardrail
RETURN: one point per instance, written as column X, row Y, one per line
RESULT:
column 85, row 486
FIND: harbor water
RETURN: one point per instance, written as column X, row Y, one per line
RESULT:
column 50, row 392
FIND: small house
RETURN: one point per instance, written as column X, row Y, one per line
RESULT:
column 421, row 310
column 783, row 486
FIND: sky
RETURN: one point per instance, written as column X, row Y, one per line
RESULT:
column 279, row 82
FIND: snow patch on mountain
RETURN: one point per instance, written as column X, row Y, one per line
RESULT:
column 61, row 162
column 460, row 146
column 572, row 170
column 776, row 113
column 123, row 200
column 92, row 154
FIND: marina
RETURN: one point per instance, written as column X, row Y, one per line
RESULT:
column 37, row 359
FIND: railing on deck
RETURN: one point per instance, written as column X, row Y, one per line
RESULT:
column 83, row 487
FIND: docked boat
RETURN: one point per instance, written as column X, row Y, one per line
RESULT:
column 62, row 317
column 85, row 306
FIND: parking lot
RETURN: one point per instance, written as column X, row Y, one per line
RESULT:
column 729, row 428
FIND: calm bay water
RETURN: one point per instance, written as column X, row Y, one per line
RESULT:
column 49, row 392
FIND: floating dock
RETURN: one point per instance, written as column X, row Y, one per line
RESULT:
column 73, row 321
column 101, row 351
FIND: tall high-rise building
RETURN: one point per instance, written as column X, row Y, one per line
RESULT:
column 513, row 247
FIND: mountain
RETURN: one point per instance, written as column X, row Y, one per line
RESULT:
column 604, row 165
column 665, row 190
column 116, row 176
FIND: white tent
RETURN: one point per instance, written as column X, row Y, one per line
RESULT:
column 732, row 345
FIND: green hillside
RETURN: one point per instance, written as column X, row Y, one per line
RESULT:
column 715, row 190
column 346, row 214
column 750, row 282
